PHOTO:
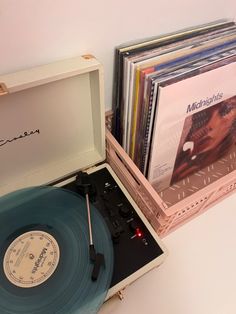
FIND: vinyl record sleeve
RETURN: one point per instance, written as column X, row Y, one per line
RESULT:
column 178, row 102
column 180, row 73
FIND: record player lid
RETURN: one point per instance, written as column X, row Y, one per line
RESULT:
column 52, row 122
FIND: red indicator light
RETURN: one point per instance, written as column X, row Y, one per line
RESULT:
column 138, row 232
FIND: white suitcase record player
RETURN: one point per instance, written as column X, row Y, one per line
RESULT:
column 52, row 128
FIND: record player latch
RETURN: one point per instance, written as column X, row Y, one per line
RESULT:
column 120, row 294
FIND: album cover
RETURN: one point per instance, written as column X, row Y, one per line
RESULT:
column 206, row 136
column 177, row 105
column 180, row 73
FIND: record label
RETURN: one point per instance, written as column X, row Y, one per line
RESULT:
column 31, row 259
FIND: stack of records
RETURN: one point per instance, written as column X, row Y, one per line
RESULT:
column 174, row 100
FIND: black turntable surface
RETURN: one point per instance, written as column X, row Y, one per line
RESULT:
column 134, row 246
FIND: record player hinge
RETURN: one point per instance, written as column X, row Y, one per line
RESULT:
column 88, row 56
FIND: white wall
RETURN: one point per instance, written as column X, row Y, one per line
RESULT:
column 35, row 32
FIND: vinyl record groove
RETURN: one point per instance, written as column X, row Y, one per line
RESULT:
column 44, row 257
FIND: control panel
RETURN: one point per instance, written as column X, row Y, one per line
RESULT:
column 134, row 246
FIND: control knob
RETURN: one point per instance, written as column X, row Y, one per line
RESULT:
column 124, row 211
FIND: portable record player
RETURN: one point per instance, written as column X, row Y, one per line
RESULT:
column 52, row 127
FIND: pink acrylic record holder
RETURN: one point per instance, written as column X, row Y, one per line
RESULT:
column 181, row 202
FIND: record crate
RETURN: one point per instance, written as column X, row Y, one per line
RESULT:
column 180, row 202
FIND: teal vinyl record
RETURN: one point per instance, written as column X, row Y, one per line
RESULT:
column 44, row 253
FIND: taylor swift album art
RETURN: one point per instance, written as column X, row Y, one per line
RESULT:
column 207, row 135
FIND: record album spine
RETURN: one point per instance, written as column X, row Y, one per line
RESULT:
column 147, row 130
